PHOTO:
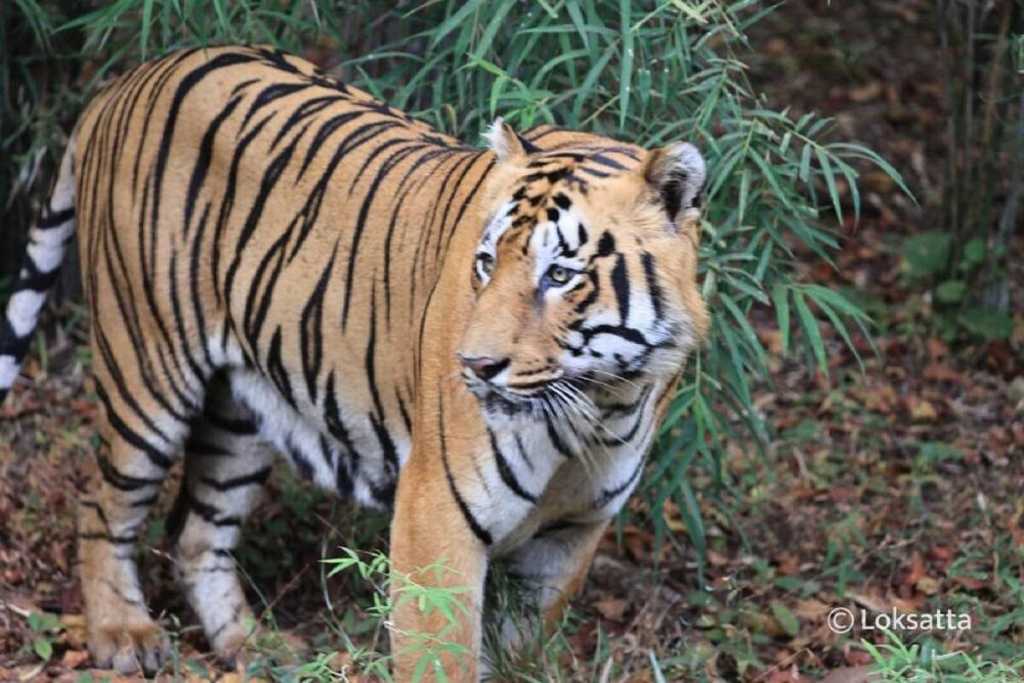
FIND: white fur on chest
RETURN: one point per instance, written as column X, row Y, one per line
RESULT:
column 588, row 487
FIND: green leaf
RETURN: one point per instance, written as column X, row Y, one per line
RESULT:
column 830, row 181
column 936, row 451
column 626, row 71
column 787, row 620
column 987, row 323
column 454, row 20
column 810, row 327
column 951, row 291
column 974, row 252
column 780, row 298
column 927, row 253
column 43, row 648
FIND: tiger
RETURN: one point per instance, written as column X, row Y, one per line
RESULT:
column 481, row 340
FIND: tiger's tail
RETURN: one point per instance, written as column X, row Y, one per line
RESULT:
column 44, row 253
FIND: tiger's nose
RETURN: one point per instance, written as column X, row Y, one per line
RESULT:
column 484, row 367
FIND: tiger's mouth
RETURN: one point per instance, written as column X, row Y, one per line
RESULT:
column 562, row 395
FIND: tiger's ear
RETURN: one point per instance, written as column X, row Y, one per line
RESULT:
column 507, row 143
column 676, row 173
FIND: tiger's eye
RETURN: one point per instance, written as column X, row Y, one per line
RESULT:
column 559, row 275
column 486, row 262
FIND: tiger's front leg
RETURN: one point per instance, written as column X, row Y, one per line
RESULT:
column 434, row 548
column 552, row 566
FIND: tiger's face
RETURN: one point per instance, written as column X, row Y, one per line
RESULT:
column 585, row 275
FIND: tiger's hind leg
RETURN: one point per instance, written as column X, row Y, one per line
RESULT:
column 139, row 445
column 226, row 465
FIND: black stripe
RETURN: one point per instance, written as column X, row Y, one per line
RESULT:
column 311, row 329
column 254, row 315
column 299, row 459
column 304, row 111
column 332, row 418
column 54, row 220
column 195, row 290
column 481, row 533
column 202, row 165
column 101, row 536
column 522, row 452
column 32, row 277
column 378, row 418
column 205, row 449
column 268, row 182
column 210, row 513
column 276, row 370
column 361, row 220
column 258, row 477
column 121, row 481
column 506, row 473
column 620, row 284
column 129, row 315
column 627, row 333
column 343, row 484
column 427, row 235
column 234, row 425
column 227, row 204
column 269, row 94
column 607, row 495
column 647, row 259
column 402, row 191
column 123, row 386
column 325, row 131
column 10, row 343
column 556, row 440
column 179, row 320
column 155, row 456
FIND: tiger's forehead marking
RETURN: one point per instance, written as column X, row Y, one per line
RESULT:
column 540, row 213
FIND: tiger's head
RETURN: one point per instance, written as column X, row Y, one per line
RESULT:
column 585, row 271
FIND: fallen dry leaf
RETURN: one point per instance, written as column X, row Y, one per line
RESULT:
column 612, row 609
column 73, row 659
column 853, row 674
column 921, row 410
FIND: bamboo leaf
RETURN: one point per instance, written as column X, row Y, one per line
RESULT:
column 811, row 330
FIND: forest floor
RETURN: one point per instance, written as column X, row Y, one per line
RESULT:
column 892, row 487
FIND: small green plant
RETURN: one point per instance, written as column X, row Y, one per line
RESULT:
column 45, row 629
column 428, row 648
column 965, row 263
column 932, row 260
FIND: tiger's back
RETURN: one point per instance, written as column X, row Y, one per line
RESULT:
column 286, row 217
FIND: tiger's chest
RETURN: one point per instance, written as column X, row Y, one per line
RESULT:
column 526, row 475
column 559, row 470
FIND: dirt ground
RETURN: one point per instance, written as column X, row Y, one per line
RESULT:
column 893, row 487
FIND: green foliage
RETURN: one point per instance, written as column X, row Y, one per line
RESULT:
column 650, row 72
column 45, row 628
column 984, row 175
column 428, row 598
column 927, row 253
column 931, row 258
column 896, row 661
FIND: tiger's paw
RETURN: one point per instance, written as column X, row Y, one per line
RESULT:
column 130, row 647
column 242, row 643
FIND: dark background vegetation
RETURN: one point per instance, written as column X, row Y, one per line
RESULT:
column 852, row 434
